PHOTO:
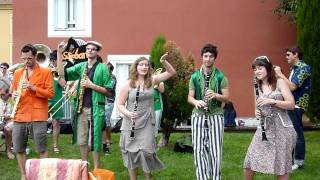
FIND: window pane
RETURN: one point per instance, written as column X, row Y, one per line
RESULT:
column 60, row 14
column 81, row 12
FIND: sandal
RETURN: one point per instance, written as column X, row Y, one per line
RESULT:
column 10, row 155
column 56, row 149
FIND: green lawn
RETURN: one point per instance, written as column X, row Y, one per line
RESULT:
column 180, row 165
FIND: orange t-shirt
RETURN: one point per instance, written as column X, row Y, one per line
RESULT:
column 33, row 106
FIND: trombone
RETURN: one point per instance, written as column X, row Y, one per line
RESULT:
column 67, row 93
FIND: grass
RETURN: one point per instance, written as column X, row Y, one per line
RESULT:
column 178, row 165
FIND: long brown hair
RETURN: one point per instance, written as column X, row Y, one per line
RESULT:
column 133, row 76
column 271, row 75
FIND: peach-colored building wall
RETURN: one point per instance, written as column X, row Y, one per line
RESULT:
column 241, row 30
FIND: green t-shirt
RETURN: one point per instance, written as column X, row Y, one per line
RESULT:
column 157, row 99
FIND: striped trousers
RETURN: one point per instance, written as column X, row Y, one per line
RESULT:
column 207, row 145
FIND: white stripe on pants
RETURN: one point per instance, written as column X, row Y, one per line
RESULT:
column 207, row 156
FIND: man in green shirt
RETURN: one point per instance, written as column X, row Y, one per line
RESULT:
column 95, row 84
column 208, row 89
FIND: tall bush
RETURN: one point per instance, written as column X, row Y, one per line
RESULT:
column 308, row 20
column 176, row 108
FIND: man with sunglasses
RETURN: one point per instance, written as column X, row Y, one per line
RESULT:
column 5, row 77
column 299, row 83
column 95, row 84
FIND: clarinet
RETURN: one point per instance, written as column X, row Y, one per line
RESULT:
column 263, row 131
column 135, row 110
column 206, row 108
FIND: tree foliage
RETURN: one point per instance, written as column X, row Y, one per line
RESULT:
column 308, row 20
column 176, row 107
column 287, row 7
column 157, row 51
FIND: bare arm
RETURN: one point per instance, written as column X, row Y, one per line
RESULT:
column 122, row 99
column 288, row 102
column 279, row 74
column 170, row 71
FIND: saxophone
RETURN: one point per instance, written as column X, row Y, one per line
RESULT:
column 81, row 92
column 19, row 90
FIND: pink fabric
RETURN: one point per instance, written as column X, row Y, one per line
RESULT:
column 56, row 169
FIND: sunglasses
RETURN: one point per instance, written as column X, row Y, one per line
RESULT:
column 3, row 67
column 91, row 49
column 262, row 57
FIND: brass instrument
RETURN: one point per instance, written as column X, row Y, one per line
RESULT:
column 81, row 92
column 43, row 55
column 157, row 71
column 68, row 93
column 19, row 90
column 54, row 72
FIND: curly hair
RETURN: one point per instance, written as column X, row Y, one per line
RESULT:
column 133, row 76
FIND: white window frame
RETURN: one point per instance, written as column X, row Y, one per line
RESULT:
column 85, row 31
column 117, row 60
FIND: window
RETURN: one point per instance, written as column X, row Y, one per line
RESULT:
column 69, row 18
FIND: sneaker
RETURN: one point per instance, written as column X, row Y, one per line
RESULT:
column 10, row 155
column 295, row 167
column 106, row 149
column 28, row 151
column 56, row 150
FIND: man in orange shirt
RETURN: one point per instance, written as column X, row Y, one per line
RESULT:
column 36, row 85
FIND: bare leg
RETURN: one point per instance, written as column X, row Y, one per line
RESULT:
column 84, row 152
column 108, row 135
column 21, row 157
column 133, row 173
column 8, row 134
column 56, row 132
column 148, row 175
column 44, row 154
column 283, row 177
column 104, row 137
column 248, row 174
column 96, row 159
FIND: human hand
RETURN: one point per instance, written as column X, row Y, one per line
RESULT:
column 15, row 94
column 199, row 104
column 278, row 71
column 210, row 94
column 132, row 115
column 27, row 85
column 62, row 46
column 164, row 57
column 264, row 101
column 87, row 83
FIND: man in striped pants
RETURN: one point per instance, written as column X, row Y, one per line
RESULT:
column 208, row 88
